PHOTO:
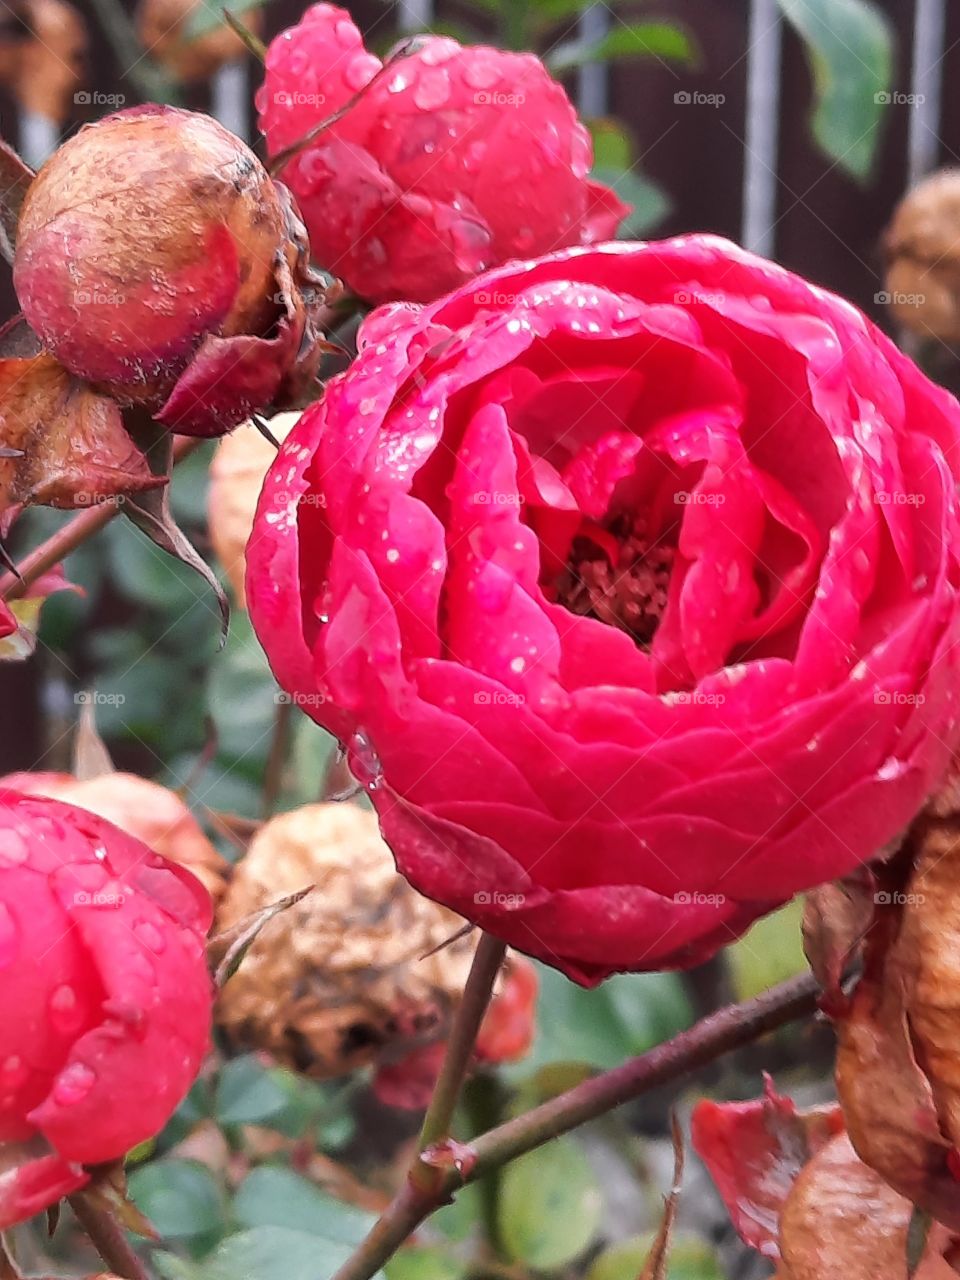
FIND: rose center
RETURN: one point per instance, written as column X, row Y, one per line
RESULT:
column 619, row 576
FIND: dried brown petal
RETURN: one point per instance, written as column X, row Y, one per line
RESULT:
column 835, row 919
column 843, row 1220
column 887, row 1100
column 923, row 250
column 342, row 978
column 74, row 449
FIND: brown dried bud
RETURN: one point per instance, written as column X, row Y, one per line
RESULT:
column 236, row 478
column 144, row 809
column 340, row 979
column 157, row 260
column 164, row 29
column 923, row 257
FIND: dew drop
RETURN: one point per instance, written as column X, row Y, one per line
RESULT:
column 364, row 762
column 433, row 89
column 66, row 1014
column 73, row 1085
column 150, row 936
column 13, row 848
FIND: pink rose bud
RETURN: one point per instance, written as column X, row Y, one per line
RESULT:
column 105, row 994
column 453, row 159
column 156, row 259
column 630, row 579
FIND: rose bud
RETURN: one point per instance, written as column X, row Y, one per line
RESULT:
column 923, row 258
column 156, row 259
column 342, row 977
column 629, row 578
column 105, row 994
column 236, row 477
column 143, row 809
column 452, row 160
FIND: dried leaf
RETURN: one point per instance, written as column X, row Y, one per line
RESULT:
column 655, row 1267
column 843, row 1220
column 91, row 759
column 15, row 176
column 887, row 1101
column 243, row 935
column 928, row 957
column 755, row 1151
column 150, row 510
column 73, row 449
column 108, row 1191
column 835, row 919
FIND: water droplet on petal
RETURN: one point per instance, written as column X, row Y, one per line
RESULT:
column 364, row 762
column 73, row 1085
column 13, row 848
column 66, row 1013
column 433, row 89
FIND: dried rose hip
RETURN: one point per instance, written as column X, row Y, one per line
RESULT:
column 157, row 259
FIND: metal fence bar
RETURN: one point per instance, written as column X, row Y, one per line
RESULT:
column 926, row 83
column 414, row 15
column 230, row 92
column 761, row 141
column 593, row 78
column 38, row 137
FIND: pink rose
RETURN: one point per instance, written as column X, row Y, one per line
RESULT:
column 454, row 160
column 105, row 995
column 630, row 578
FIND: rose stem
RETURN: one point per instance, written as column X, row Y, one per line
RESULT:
column 109, row 1239
column 487, row 960
column 72, row 534
column 727, row 1029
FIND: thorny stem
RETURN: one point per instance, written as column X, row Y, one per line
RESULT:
column 109, row 1239
column 72, row 535
column 728, row 1028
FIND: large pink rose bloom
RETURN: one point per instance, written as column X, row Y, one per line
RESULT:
column 454, row 159
column 630, row 578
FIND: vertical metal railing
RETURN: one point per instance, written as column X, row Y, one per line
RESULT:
column 762, row 127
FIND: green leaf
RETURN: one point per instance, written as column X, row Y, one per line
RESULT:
column 549, row 1206
column 425, row 1264
column 208, row 17
column 180, row 1197
column 248, row 1093
column 278, row 1197
column 272, row 1253
column 850, row 47
column 243, row 697
column 770, row 952
column 690, row 1259
column 660, row 40
column 650, row 203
